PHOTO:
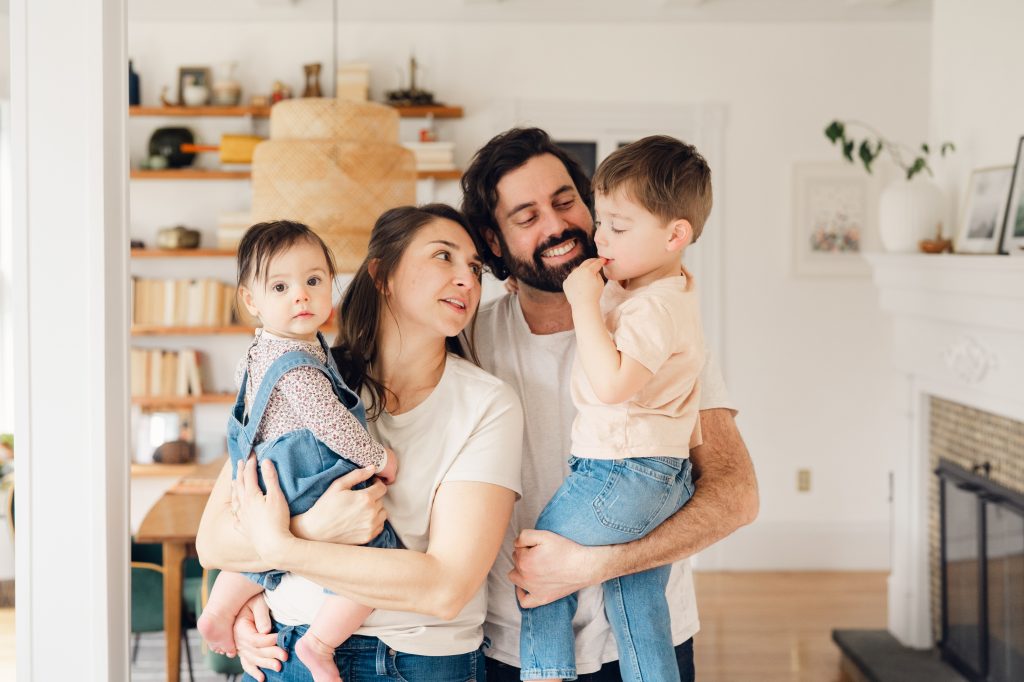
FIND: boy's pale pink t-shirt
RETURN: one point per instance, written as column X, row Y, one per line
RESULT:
column 658, row 326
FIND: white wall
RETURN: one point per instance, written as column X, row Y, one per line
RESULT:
column 976, row 98
column 806, row 358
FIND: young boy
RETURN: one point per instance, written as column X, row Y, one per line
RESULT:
column 640, row 350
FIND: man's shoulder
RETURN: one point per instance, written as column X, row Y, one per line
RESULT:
column 497, row 310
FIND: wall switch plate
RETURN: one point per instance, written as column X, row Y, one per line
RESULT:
column 803, row 480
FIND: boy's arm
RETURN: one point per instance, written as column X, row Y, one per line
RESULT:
column 613, row 376
column 549, row 566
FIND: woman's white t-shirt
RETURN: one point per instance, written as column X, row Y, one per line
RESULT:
column 470, row 428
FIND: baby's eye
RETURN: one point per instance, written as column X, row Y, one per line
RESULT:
column 313, row 281
column 279, row 288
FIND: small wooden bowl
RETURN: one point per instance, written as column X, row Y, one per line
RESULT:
column 936, row 245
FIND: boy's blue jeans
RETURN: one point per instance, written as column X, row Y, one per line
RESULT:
column 610, row 502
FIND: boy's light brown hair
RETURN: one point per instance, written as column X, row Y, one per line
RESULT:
column 667, row 177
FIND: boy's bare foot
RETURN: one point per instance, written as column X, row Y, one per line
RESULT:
column 318, row 657
column 216, row 630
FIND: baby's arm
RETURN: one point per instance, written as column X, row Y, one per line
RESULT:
column 311, row 398
column 613, row 375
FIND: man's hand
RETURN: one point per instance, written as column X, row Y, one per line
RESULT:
column 257, row 645
column 344, row 516
column 584, row 284
column 549, row 567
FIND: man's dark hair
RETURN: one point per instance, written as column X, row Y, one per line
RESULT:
column 504, row 153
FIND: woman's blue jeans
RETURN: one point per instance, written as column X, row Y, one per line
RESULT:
column 365, row 659
column 610, row 502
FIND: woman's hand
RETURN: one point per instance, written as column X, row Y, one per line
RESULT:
column 264, row 519
column 257, row 645
column 344, row 516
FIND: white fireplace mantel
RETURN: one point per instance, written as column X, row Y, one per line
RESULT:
column 958, row 333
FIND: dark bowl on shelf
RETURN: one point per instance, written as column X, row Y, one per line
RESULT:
column 167, row 142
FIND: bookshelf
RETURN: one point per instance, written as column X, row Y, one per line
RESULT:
column 216, row 174
column 184, row 253
column 184, row 400
column 437, row 111
column 185, row 330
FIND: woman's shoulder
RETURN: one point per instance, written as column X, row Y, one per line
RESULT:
column 477, row 384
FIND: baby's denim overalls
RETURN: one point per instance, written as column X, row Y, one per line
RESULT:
column 305, row 465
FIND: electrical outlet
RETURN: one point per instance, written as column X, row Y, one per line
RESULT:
column 803, row 480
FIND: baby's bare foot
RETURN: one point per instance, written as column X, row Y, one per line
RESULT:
column 216, row 630
column 318, row 657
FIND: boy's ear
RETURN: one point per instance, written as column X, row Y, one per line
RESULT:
column 681, row 234
column 246, row 296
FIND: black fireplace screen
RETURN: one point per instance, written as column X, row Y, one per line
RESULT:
column 982, row 545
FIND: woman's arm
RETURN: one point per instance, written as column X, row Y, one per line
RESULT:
column 549, row 566
column 467, row 524
column 340, row 515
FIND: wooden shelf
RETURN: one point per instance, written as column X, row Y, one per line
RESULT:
column 189, row 174
column 159, row 330
column 184, row 253
column 437, row 111
column 263, row 112
column 183, row 400
column 208, row 174
column 167, row 470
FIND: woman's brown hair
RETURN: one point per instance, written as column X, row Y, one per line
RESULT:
column 359, row 313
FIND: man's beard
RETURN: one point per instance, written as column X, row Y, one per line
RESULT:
column 535, row 273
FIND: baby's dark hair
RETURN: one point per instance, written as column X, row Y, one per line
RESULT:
column 263, row 241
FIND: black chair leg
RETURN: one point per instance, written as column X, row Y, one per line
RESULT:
column 188, row 654
column 135, row 646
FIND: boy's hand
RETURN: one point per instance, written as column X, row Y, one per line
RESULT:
column 390, row 471
column 584, row 284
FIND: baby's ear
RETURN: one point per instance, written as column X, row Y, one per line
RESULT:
column 246, row 296
column 681, row 234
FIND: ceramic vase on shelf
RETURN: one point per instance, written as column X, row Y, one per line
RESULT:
column 227, row 92
column 908, row 211
column 193, row 94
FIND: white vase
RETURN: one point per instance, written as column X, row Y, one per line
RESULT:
column 909, row 211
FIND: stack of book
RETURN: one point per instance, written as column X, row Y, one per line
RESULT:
column 231, row 226
column 165, row 373
column 182, row 302
column 433, row 156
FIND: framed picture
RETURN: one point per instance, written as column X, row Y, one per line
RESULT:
column 833, row 213
column 984, row 209
column 194, row 75
column 1013, row 225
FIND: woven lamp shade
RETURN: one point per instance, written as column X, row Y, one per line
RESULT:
column 338, row 184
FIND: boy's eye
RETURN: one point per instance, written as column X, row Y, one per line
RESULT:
column 615, row 231
column 279, row 288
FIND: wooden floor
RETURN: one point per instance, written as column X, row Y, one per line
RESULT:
column 776, row 627
column 763, row 627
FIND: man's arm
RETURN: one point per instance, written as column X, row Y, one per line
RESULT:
column 549, row 566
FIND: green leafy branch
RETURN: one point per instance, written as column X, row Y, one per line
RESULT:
column 870, row 146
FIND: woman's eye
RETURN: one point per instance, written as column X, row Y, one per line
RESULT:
column 478, row 269
column 278, row 288
column 443, row 255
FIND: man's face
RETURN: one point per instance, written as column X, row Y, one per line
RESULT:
column 545, row 228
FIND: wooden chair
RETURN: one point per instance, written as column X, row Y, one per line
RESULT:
column 148, row 606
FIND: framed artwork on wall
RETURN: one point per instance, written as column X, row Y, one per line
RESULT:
column 981, row 225
column 1013, row 225
column 833, row 214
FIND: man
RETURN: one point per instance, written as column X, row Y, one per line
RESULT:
column 531, row 203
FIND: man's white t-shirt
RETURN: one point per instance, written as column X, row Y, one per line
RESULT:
column 538, row 368
column 468, row 429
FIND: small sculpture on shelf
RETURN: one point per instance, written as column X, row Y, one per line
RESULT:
column 177, row 237
column 411, row 96
column 279, row 92
column 227, row 91
column 312, row 80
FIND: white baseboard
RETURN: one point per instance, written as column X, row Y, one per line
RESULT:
column 798, row 546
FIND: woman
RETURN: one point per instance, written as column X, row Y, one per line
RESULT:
column 457, row 431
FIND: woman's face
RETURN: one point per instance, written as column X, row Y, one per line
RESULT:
column 436, row 284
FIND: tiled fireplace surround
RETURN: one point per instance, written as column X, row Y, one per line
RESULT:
column 958, row 337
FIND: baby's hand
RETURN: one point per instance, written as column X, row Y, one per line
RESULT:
column 390, row 471
column 584, row 284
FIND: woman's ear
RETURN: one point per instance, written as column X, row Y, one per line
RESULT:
column 681, row 234
column 247, row 300
column 373, row 267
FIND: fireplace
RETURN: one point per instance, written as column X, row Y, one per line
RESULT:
column 981, row 557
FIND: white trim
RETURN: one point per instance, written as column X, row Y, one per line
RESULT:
column 71, row 337
column 608, row 123
column 6, row 274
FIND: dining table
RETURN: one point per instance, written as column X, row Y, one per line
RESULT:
column 173, row 522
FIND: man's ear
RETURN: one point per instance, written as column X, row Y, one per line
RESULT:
column 246, row 296
column 493, row 243
column 681, row 234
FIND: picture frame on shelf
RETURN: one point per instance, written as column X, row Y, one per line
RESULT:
column 1012, row 241
column 202, row 79
column 833, row 219
column 981, row 224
